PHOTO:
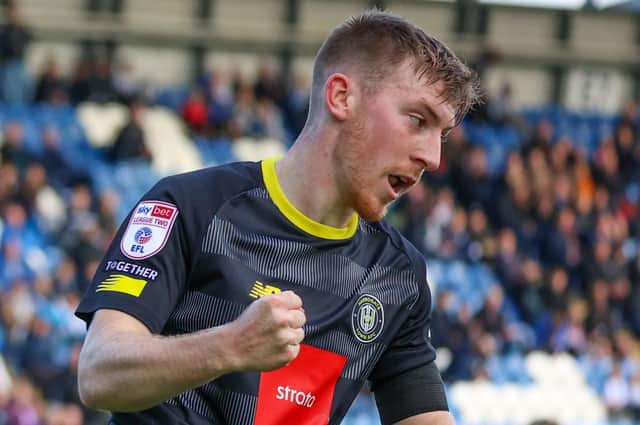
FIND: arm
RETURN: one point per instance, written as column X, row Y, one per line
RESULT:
column 414, row 397
column 124, row 367
column 430, row 418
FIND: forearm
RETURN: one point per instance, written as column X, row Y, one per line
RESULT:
column 135, row 371
column 124, row 367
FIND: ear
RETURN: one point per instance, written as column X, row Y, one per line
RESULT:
column 336, row 95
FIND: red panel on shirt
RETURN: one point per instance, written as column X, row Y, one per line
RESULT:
column 302, row 392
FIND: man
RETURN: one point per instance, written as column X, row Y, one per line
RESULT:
column 270, row 293
column 15, row 37
column 130, row 143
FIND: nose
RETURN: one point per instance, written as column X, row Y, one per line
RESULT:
column 428, row 151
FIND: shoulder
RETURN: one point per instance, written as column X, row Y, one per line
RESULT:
column 211, row 186
column 400, row 244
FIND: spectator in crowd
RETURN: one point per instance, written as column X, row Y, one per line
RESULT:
column 107, row 213
column 528, row 293
column 18, row 225
column 13, row 266
column 51, row 87
column 130, row 143
column 15, row 83
column 80, row 87
column 39, row 358
column 268, row 121
column 9, row 182
column 627, row 151
column 500, row 107
column 483, row 244
column 243, row 120
column 219, row 96
column 14, row 149
column 491, row 317
column 569, row 334
column 634, row 396
column 542, row 138
column 127, row 84
column 195, row 112
column 428, row 232
column 297, row 104
column 25, row 405
column 616, row 393
column 81, row 236
column 268, row 85
column 101, row 84
column 59, row 171
column 475, row 184
column 629, row 117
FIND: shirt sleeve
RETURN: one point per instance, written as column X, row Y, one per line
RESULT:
column 411, row 393
column 144, row 271
column 405, row 380
column 411, row 347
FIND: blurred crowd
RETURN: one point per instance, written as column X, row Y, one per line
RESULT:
column 55, row 222
column 560, row 228
column 557, row 225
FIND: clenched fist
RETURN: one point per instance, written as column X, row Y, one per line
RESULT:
column 268, row 334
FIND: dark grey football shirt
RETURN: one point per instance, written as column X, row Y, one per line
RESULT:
column 200, row 247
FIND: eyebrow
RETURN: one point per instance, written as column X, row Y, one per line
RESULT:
column 435, row 116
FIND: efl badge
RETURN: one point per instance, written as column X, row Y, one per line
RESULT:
column 367, row 319
column 148, row 229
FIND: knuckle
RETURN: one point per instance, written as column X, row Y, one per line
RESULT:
column 292, row 352
column 292, row 298
column 303, row 318
column 270, row 301
column 280, row 320
column 282, row 337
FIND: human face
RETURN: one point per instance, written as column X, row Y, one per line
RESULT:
column 392, row 136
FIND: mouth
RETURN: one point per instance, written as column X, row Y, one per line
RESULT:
column 400, row 184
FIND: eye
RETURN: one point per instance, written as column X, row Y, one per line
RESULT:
column 417, row 120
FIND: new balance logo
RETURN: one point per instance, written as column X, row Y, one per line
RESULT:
column 260, row 290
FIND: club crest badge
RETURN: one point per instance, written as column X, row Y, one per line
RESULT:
column 367, row 319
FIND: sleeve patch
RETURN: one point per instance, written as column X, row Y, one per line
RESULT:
column 124, row 284
column 148, row 229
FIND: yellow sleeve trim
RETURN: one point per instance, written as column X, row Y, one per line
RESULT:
column 295, row 216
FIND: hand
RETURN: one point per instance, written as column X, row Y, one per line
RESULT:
column 268, row 334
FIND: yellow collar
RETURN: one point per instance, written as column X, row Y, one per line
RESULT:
column 295, row 216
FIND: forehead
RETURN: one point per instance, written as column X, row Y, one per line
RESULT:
column 417, row 89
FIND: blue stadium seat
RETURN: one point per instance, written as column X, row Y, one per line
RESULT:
column 435, row 273
column 173, row 97
column 215, row 151
column 32, row 139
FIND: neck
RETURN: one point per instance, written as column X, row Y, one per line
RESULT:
column 309, row 179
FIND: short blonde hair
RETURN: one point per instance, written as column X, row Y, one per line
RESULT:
column 375, row 43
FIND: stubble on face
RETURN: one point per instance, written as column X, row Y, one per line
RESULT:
column 355, row 170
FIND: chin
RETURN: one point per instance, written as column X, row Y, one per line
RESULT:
column 371, row 210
